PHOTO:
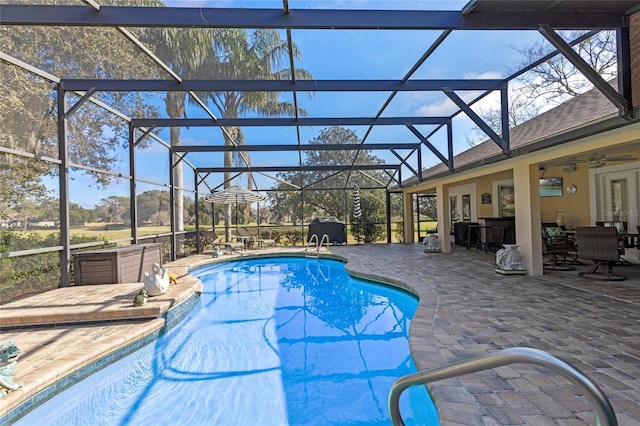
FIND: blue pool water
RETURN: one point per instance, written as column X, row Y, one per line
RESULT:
column 279, row 341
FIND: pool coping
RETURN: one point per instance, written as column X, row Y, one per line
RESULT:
column 45, row 368
column 18, row 403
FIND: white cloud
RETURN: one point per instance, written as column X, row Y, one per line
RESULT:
column 489, row 75
column 445, row 107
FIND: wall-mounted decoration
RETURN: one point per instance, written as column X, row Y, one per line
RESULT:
column 571, row 189
column 551, row 187
column 486, row 198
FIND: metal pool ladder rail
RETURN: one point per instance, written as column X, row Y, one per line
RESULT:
column 601, row 406
column 314, row 239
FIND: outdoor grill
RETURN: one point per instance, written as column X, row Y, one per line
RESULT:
column 335, row 229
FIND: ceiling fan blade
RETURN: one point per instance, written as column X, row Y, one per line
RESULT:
column 621, row 158
column 597, row 157
column 594, row 164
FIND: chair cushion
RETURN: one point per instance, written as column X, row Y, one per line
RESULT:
column 554, row 237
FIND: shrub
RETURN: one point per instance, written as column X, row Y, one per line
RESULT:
column 31, row 274
column 371, row 224
column 288, row 236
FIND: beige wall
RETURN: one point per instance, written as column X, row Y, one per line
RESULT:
column 485, row 184
column 623, row 140
column 634, row 36
column 576, row 206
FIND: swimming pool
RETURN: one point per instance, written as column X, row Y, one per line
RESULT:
column 277, row 341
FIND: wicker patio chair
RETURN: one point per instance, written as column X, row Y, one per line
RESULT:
column 600, row 245
column 557, row 249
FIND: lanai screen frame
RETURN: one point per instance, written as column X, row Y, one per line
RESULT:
column 543, row 16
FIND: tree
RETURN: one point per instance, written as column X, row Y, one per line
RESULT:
column 78, row 215
column 29, row 106
column 113, row 209
column 35, row 210
column 153, row 207
column 371, row 224
column 325, row 196
column 551, row 82
column 556, row 79
column 261, row 54
column 428, row 206
column 185, row 51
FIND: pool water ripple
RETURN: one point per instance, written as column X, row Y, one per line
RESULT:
column 279, row 341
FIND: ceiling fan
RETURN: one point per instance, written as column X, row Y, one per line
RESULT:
column 596, row 160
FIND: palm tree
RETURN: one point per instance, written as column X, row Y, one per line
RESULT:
column 185, row 51
column 260, row 55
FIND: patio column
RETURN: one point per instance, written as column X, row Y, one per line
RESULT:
column 407, row 202
column 63, row 180
column 444, row 217
column 526, row 184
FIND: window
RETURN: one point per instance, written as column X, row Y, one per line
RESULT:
column 462, row 200
column 504, row 204
column 506, row 201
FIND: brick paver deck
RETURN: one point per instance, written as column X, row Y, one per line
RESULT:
column 465, row 309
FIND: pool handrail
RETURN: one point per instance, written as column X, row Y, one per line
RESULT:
column 602, row 409
column 318, row 245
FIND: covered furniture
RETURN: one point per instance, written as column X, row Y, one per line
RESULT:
column 558, row 250
column 116, row 265
column 331, row 226
column 600, row 245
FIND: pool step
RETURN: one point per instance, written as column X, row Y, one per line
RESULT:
column 69, row 354
column 92, row 303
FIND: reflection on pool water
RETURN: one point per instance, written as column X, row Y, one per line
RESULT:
column 278, row 341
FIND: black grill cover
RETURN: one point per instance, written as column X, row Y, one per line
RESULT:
column 335, row 230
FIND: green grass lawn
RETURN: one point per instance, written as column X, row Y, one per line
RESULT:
column 119, row 231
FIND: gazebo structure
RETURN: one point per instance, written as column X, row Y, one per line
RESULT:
column 420, row 158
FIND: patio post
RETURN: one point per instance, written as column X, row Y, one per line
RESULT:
column 407, row 201
column 526, row 186
column 63, row 179
column 444, row 217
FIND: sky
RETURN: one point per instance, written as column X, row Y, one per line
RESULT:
column 345, row 54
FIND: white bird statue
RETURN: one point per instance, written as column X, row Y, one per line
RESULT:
column 158, row 282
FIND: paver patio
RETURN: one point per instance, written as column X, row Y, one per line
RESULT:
column 466, row 309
